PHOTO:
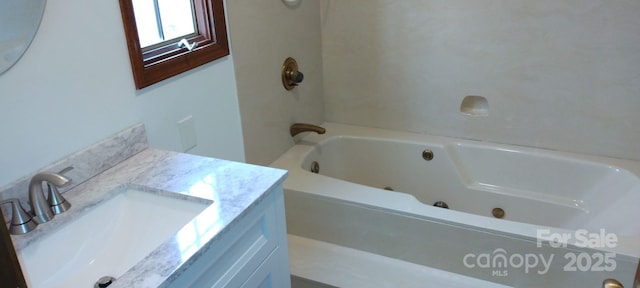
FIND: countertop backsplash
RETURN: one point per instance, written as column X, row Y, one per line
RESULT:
column 87, row 163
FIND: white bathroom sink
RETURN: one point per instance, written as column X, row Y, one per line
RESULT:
column 106, row 241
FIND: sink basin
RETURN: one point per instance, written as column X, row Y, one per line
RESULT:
column 108, row 240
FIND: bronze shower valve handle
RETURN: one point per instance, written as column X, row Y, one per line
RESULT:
column 291, row 77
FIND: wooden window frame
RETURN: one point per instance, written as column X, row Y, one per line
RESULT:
column 166, row 61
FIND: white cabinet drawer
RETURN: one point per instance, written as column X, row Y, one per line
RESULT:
column 268, row 275
column 233, row 258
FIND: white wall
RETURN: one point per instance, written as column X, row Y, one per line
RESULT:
column 74, row 87
column 263, row 34
column 557, row 74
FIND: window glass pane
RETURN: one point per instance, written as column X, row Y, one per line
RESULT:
column 177, row 18
column 146, row 20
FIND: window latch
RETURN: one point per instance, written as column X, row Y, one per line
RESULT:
column 184, row 43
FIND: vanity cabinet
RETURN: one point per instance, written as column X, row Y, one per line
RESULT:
column 252, row 252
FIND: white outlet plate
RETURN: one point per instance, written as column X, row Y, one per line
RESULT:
column 187, row 130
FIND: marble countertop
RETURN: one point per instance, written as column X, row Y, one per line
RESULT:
column 233, row 187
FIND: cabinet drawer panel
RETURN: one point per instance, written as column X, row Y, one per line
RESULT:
column 244, row 256
column 266, row 276
column 237, row 254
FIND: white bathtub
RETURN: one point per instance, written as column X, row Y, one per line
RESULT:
column 542, row 192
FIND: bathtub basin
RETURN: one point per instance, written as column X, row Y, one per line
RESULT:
column 375, row 191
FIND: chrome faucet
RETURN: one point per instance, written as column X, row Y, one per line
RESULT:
column 43, row 210
column 298, row 128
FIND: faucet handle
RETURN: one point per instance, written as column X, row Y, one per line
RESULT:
column 291, row 77
column 56, row 201
column 21, row 221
